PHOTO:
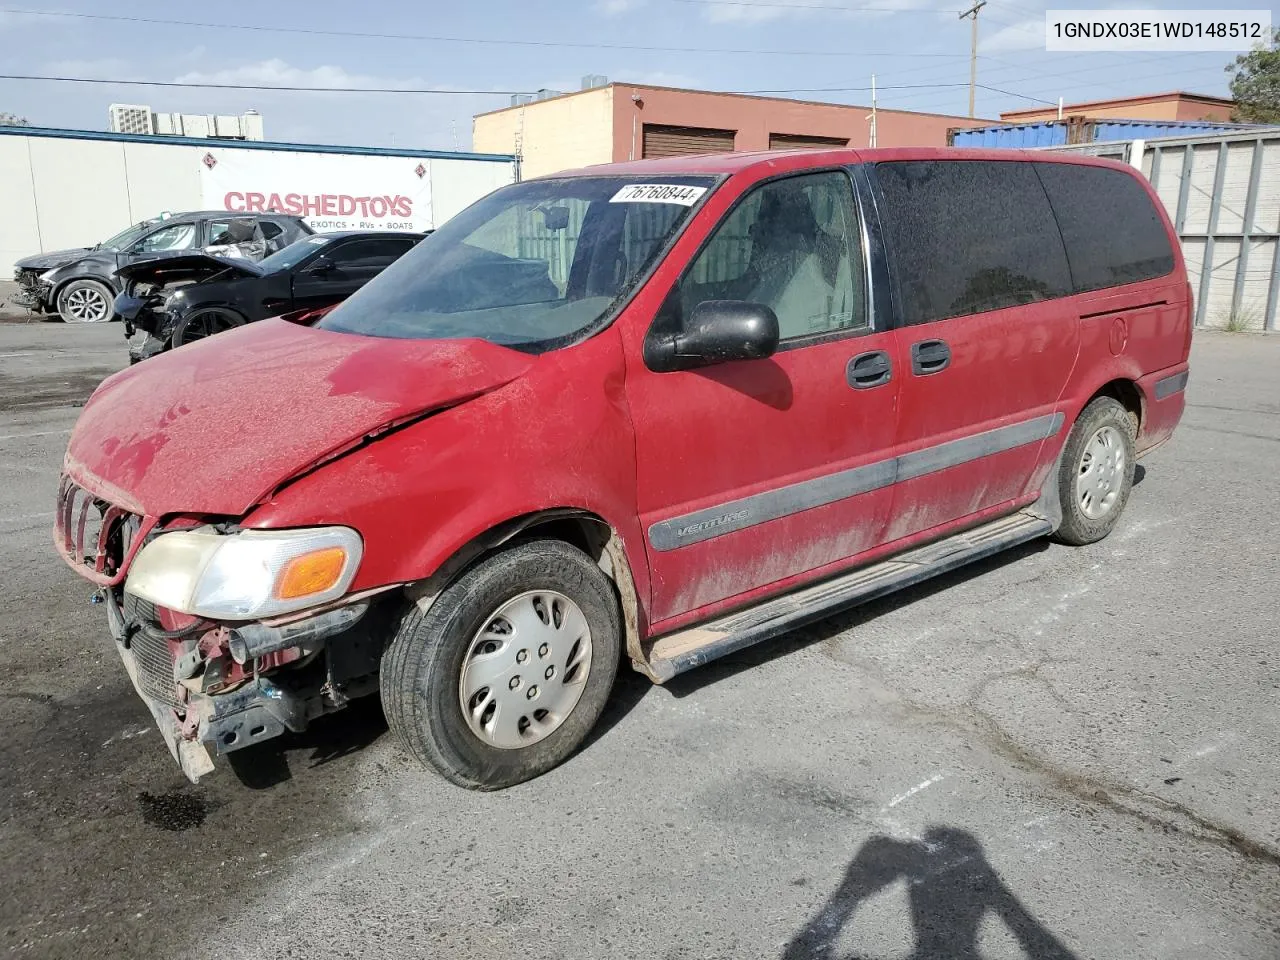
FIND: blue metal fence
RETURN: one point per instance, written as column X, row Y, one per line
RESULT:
column 1059, row 133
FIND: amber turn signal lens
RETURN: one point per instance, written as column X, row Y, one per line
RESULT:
column 310, row 573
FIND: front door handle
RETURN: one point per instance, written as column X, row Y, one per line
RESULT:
column 929, row 356
column 869, row 370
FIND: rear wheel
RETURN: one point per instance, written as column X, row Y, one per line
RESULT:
column 85, row 301
column 1097, row 472
column 200, row 324
column 508, row 670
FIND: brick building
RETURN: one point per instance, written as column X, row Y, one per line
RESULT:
column 623, row 121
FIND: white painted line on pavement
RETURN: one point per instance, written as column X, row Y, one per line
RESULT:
column 913, row 791
column 26, row 516
column 41, row 433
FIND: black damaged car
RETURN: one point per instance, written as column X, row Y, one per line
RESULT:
column 79, row 284
column 177, row 299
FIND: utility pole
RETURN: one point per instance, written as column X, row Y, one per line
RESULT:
column 973, row 49
column 873, row 110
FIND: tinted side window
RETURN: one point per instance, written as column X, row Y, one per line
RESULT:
column 1112, row 230
column 794, row 245
column 371, row 254
column 967, row 236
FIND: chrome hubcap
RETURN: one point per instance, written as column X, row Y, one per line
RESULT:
column 1102, row 472
column 87, row 305
column 526, row 669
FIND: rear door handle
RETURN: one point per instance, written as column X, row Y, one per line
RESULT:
column 929, row 356
column 868, row 370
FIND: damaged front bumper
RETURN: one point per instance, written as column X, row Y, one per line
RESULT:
column 32, row 293
column 172, row 676
column 191, row 755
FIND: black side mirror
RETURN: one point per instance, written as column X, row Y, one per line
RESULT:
column 555, row 218
column 717, row 331
column 320, row 264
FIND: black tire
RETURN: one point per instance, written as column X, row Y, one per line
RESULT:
column 422, row 666
column 1078, row 526
column 199, row 324
column 86, row 301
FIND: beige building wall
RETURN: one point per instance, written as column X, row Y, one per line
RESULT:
column 552, row 135
column 607, row 124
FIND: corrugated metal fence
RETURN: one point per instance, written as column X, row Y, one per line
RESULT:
column 1070, row 131
column 1223, row 195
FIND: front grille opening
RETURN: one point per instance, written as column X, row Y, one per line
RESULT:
column 92, row 532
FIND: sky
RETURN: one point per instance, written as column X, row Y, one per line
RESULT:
column 812, row 49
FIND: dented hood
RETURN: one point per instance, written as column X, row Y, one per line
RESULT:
column 216, row 426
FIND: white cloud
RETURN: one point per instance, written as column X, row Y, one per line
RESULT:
column 319, row 116
column 277, row 73
column 614, row 8
column 114, row 68
column 1025, row 35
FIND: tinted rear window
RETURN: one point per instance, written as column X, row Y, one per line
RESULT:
column 1112, row 230
column 970, row 236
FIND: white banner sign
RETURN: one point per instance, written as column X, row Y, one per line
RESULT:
column 331, row 191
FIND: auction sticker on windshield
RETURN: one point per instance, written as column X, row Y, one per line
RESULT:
column 679, row 193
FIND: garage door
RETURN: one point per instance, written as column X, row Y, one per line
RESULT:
column 803, row 141
column 665, row 141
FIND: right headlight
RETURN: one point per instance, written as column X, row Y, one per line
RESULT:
column 246, row 575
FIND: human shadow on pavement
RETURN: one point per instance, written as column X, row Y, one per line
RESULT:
column 951, row 888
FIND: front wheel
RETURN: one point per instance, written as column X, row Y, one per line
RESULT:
column 85, row 301
column 509, row 669
column 200, row 324
column 1097, row 472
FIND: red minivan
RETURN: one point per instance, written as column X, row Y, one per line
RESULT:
column 656, row 411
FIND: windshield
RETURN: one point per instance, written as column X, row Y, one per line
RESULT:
column 293, row 254
column 531, row 266
column 126, row 238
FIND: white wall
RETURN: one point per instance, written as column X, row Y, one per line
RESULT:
column 161, row 178
column 79, row 189
column 58, row 192
column 19, row 227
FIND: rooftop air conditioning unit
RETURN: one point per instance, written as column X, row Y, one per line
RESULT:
column 131, row 118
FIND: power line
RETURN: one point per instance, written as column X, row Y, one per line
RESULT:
column 259, row 86
column 1020, row 96
column 353, row 34
column 419, row 90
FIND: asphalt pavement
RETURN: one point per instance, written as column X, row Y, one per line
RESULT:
column 1058, row 753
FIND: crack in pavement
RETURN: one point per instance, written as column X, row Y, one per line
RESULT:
column 1097, row 790
column 1091, row 789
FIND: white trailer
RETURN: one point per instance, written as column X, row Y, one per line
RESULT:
column 73, row 188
